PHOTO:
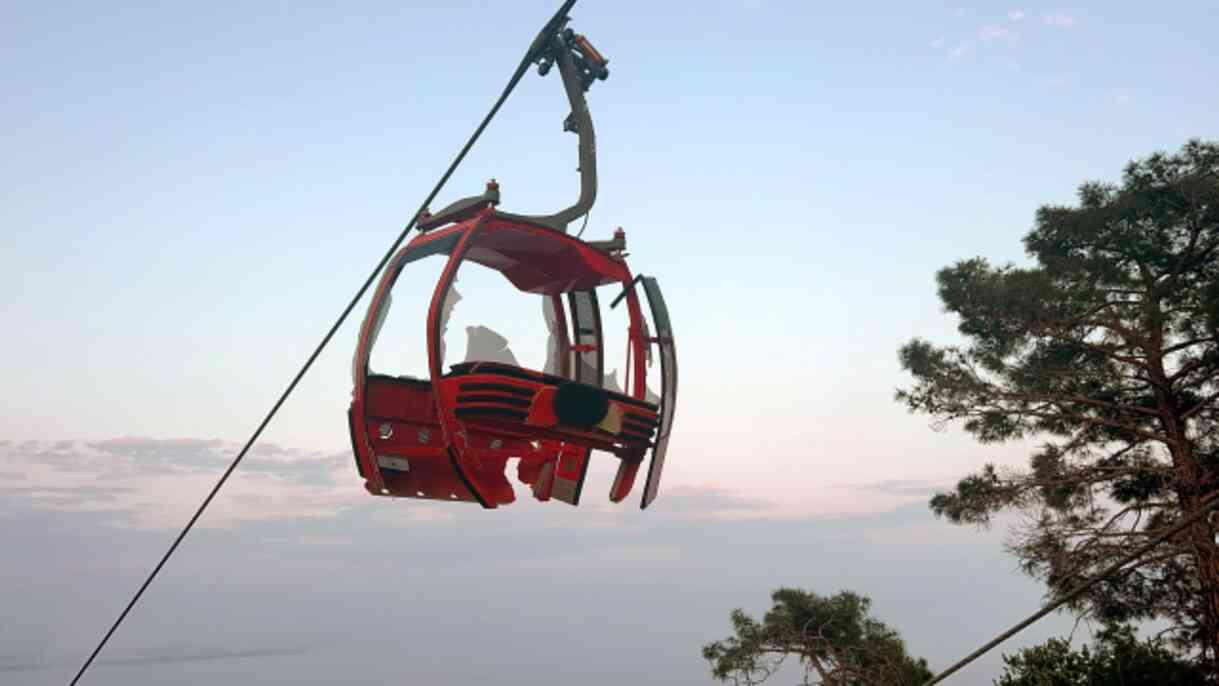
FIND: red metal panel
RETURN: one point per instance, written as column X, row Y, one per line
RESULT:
column 442, row 441
column 541, row 260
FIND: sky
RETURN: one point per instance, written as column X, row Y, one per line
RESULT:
column 192, row 192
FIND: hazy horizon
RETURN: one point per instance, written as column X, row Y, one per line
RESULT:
column 194, row 191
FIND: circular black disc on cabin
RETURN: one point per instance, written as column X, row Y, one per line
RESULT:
column 579, row 404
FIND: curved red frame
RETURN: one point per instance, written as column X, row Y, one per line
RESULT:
column 450, row 437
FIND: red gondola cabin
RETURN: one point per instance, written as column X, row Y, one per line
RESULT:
column 450, row 436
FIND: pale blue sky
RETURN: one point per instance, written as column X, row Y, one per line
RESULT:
column 191, row 192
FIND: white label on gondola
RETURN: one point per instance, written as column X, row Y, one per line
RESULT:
column 398, row 463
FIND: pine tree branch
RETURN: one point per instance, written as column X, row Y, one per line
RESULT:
column 1192, row 366
column 1177, row 347
column 1197, row 407
column 1096, row 421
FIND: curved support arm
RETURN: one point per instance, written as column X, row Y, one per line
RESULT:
column 579, row 65
column 580, row 121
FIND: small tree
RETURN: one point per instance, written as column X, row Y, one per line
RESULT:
column 835, row 640
column 1116, row 657
column 1108, row 349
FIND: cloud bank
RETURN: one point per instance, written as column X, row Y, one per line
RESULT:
column 156, row 483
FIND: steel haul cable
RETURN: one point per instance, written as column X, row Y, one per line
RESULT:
column 1205, row 508
column 526, row 61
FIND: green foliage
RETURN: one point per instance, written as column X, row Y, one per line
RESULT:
column 1106, row 350
column 834, row 638
column 1117, row 657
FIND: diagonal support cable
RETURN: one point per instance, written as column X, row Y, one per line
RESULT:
column 526, row 61
column 1204, row 509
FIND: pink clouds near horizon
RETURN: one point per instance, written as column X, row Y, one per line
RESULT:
column 152, row 483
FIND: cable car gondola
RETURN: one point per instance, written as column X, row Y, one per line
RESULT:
column 450, row 436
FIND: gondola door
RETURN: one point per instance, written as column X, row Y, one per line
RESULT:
column 668, row 391
column 587, row 365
